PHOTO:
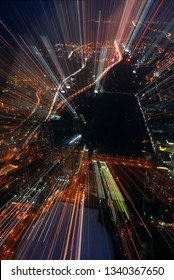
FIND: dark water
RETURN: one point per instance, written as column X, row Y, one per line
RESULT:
column 114, row 124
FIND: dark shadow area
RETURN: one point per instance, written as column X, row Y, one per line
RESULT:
column 114, row 124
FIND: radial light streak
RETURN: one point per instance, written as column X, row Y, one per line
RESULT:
column 49, row 47
column 66, row 51
column 146, row 6
column 147, row 27
column 157, row 41
column 80, row 227
column 125, row 21
column 46, row 73
column 76, row 138
column 100, row 66
column 97, row 42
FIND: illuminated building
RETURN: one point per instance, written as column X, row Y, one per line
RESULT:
column 47, row 142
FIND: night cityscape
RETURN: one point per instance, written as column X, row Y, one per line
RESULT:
column 87, row 130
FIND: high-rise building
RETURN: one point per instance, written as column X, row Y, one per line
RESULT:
column 47, row 142
column 156, row 103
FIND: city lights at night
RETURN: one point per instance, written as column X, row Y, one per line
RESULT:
column 87, row 130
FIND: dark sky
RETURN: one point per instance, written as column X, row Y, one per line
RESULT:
column 13, row 12
column 21, row 15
